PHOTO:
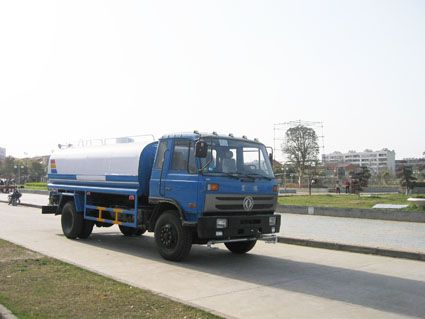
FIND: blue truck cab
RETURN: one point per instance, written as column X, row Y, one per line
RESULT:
column 189, row 189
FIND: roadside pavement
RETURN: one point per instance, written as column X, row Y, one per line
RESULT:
column 383, row 234
column 29, row 199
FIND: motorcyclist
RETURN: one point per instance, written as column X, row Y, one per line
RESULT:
column 14, row 197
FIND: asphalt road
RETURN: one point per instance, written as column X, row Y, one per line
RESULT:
column 274, row 281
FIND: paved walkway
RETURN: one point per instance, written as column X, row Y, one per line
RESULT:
column 404, row 236
column 33, row 199
column 272, row 281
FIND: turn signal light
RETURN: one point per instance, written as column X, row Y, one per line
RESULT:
column 213, row 187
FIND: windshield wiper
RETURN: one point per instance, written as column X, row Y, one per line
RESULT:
column 259, row 175
column 232, row 175
column 235, row 175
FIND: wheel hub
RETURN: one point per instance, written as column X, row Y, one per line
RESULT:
column 167, row 236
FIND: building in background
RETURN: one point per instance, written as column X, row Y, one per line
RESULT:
column 376, row 161
column 2, row 153
column 417, row 164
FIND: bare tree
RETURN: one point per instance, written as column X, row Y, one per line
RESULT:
column 302, row 148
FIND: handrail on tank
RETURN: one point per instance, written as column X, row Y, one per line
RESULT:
column 105, row 141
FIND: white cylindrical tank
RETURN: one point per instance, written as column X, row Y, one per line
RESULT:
column 104, row 163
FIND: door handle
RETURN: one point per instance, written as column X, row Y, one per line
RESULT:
column 167, row 188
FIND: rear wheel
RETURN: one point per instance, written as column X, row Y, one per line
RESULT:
column 241, row 247
column 72, row 222
column 131, row 231
column 172, row 239
column 86, row 229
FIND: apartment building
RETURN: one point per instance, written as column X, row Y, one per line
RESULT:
column 376, row 161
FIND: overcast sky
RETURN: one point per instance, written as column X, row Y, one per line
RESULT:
column 79, row 69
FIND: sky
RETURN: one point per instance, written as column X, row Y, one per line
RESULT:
column 72, row 70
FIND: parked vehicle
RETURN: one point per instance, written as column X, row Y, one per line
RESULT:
column 186, row 188
column 14, row 197
column 7, row 185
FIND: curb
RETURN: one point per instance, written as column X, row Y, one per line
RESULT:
column 23, row 204
column 353, row 248
column 363, row 213
column 6, row 313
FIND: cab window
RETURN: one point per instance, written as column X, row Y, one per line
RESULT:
column 184, row 157
column 162, row 147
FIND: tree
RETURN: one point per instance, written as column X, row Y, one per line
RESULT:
column 359, row 179
column 407, row 179
column 302, row 148
column 8, row 167
column 383, row 177
column 36, row 170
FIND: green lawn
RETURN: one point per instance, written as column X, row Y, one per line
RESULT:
column 35, row 286
column 36, row 186
column 344, row 201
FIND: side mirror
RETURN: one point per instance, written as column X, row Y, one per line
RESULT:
column 201, row 149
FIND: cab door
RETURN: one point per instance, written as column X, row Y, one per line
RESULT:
column 181, row 179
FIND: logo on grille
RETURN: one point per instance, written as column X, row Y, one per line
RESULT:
column 248, row 203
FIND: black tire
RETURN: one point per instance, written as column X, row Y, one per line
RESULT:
column 241, row 247
column 86, row 229
column 131, row 231
column 72, row 222
column 172, row 239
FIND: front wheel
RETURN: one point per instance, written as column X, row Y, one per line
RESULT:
column 241, row 247
column 172, row 239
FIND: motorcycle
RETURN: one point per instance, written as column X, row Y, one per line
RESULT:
column 14, row 198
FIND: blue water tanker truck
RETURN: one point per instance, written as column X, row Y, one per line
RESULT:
column 185, row 188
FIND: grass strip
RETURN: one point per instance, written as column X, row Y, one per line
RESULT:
column 347, row 200
column 35, row 286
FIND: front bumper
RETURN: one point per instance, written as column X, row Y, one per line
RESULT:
column 237, row 226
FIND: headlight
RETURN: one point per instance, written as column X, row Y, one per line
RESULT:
column 272, row 221
column 221, row 223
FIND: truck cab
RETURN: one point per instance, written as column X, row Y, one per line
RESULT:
column 222, row 188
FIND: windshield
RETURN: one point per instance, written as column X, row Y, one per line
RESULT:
column 236, row 158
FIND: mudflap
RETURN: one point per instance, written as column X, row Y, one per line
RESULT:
column 50, row 209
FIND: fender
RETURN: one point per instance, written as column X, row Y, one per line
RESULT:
column 160, row 201
column 78, row 199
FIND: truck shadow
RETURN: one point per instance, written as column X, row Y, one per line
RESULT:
column 376, row 291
